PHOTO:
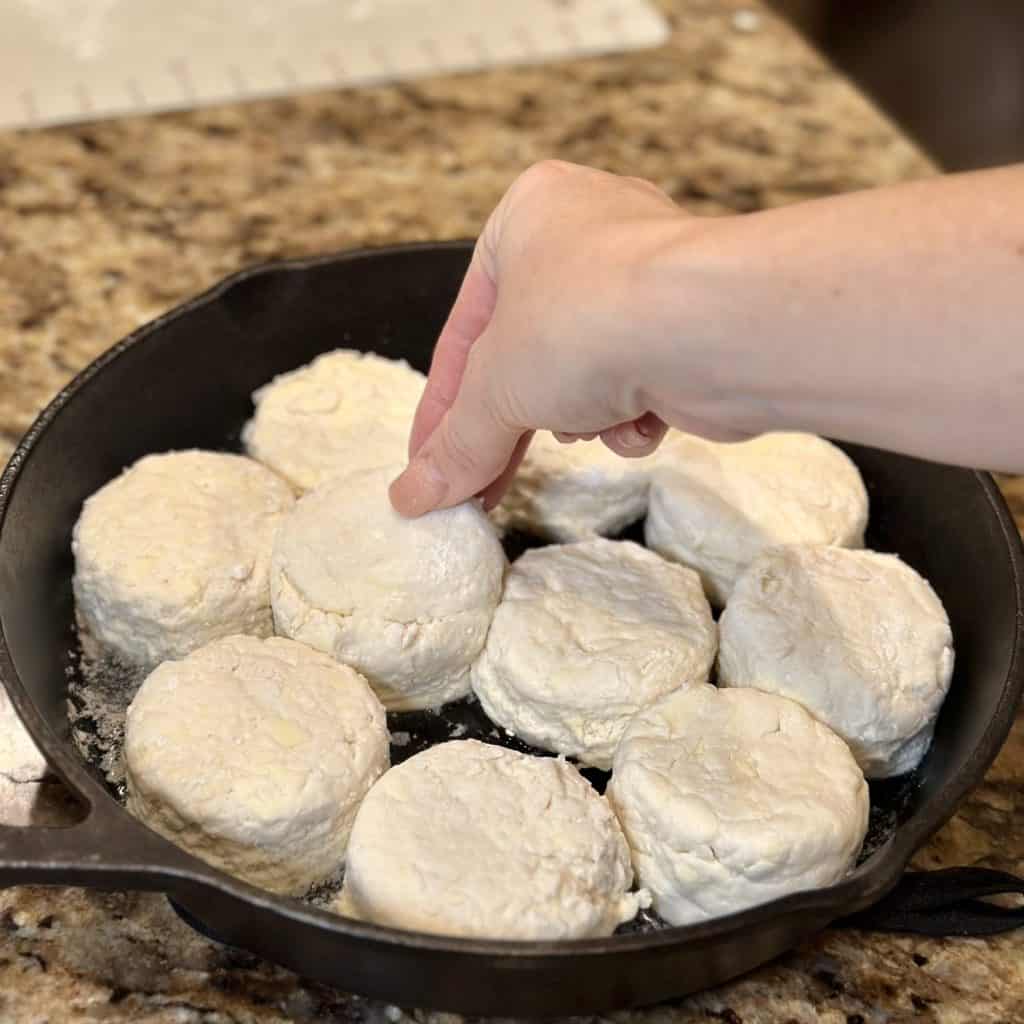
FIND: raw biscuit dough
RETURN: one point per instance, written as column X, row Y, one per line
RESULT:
column 857, row 637
column 715, row 507
column 731, row 798
column 585, row 635
column 567, row 492
column 254, row 755
column 407, row 602
column 175, row 552
column 475, row 840
column 344, row 412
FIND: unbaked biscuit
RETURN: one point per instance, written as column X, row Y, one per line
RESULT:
column 475, row 840
column 254, row 755
column 567, row 492
column 175, row 552
column 586, row 635
column 407, row 602
column 731, row 798
column 345, row 412
column 857, row 637
column 715, row 507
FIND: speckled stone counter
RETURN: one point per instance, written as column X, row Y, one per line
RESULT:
column 104, row 226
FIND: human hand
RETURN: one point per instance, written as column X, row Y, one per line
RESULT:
column 549, row 331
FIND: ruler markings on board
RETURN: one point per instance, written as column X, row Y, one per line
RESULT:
column 81, row 59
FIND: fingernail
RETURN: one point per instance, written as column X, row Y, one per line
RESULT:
column 418, row 490
column 629, row 435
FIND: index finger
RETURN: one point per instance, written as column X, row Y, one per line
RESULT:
column 470, row 314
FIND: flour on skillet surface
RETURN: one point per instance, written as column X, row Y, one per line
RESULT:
column 567, row 492
column 254, row 755
column 20, row 759
column 475, row 840
column 407, row 602
column 585, row 635
column 715, row 507
column 344, row 412
column 731, row 798
column 857, row 637
column 175, row 552
column 100, row 688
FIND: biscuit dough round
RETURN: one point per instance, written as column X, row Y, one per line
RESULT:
column 567, row 492
column 175, row 552
column 475, row 840
column 857, row 637
column 731, row 798
column 254, row 755
column 587, row 634
column 407, row 602
column 344, row 412
column 715, row 507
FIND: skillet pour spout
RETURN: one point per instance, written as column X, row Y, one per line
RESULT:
column 185, row 380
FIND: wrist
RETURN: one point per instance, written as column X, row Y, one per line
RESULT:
column 715, row 361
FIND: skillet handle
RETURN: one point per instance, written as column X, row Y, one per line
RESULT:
column 944, row 903
column 97, row 853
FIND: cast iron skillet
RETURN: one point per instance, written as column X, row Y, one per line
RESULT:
column 185, row 380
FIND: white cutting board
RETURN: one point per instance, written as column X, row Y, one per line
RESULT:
column 69, row 60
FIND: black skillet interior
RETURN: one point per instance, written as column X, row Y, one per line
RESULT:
column 186, row 381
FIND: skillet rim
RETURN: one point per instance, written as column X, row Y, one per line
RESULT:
column 864, row 885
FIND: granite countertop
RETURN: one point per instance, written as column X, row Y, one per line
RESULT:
column 104, row 226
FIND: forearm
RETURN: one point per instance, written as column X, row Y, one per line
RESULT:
column 594, row 305
column 893, row 317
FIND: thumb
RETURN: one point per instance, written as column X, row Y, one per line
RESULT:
column 467, row 451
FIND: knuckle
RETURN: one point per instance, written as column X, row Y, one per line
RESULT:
column 647, row 186
column 543, row 173
column 652, row 190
